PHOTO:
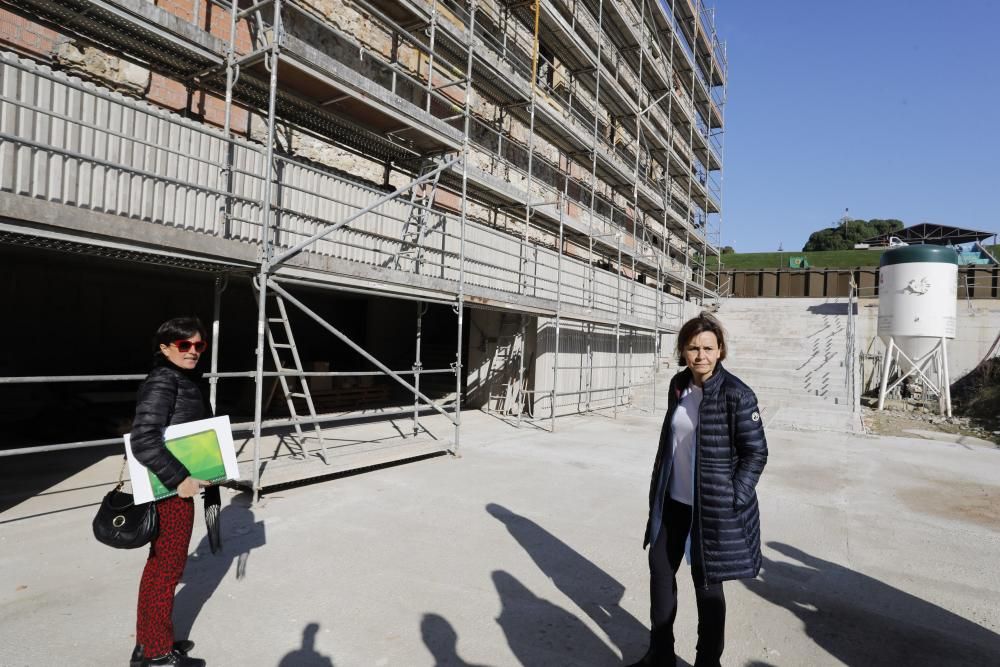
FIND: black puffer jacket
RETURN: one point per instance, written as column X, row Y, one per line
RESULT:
column 168, row 395
column 731, row 454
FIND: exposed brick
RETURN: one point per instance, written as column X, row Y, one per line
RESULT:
column 25, row 35
column 212, row 110
column 167, row 92
column 183, row 10
column 447, row 200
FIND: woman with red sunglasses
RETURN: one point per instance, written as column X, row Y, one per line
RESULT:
column 169, row 395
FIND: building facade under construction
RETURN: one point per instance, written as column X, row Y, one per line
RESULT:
column 397, row 207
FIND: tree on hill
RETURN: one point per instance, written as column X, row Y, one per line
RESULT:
column 849, row 232
column 728, row 250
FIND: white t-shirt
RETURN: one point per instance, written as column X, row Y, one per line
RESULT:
column 683, row 428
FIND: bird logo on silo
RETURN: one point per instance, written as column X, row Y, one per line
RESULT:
column 917, row 287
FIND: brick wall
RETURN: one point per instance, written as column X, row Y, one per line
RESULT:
column 26, row 36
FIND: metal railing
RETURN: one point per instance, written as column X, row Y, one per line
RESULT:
column 851, row 359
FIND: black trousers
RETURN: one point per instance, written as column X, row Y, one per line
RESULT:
column 665, row 557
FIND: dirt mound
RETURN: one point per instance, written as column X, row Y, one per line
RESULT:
column 977, row 395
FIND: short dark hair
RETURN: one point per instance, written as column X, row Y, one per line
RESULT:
column 697, row 325
column 179, row 328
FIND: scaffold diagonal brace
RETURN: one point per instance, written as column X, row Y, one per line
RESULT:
column 357, row 348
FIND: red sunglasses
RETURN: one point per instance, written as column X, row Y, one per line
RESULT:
column 186, row 345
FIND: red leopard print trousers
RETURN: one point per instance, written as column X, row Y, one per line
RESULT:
column 154, row 628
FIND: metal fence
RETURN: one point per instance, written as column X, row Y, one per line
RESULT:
column 973, row 282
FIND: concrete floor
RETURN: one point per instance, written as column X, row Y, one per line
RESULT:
column 527, row 551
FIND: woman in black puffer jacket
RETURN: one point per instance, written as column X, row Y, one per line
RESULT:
column 169, row 395
column 702, row 497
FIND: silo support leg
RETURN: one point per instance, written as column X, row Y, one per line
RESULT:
column 886, row 367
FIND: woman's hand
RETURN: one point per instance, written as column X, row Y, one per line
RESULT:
column 190, row 487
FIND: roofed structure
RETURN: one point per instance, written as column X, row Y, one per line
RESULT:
column 933, row 234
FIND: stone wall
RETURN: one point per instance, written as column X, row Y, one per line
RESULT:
column 90, row 61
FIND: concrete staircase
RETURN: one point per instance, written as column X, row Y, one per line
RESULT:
column 791, row 352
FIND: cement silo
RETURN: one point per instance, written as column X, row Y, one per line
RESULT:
column 918, row 303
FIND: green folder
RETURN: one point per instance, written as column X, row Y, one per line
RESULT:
column 201, row 455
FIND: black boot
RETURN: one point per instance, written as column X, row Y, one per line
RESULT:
column 654, row 658
column 660, row 652
column 182, row 646
column 174, row 659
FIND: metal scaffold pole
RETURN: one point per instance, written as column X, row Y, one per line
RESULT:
column 520, row 369
column 418, row 365
column 637, row 214
column 521, row 394
column 687, row 256
column 618, row 319
column 430, row 55
column 668, row 189
column 460, row 298
column 690, row 169
column 555, row 361
column 266, row 249
column 656, row 328
column 228, row 119
column 213, row 382
column 531, row 156
column 593, row 162
column 592, row 291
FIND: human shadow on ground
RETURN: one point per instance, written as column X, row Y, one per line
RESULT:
column 442, row 641
column 205, row 571
column 542, row 634
column 862, row 621
column 593, row 590
column 306, row 656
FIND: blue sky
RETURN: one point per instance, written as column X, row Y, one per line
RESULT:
column 888, row 108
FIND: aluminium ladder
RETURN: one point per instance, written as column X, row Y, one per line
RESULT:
column 277, row 347
column 415, row 228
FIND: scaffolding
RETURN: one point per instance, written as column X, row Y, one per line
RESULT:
column 556, row 159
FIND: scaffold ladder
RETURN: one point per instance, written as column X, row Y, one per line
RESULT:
column 279, row 347
column 509, row 398
column 415, row 228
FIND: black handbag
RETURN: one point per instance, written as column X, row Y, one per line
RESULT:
column 122, row 524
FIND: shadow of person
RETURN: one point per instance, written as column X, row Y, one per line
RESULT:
column 541, row 634
column 205, row 570
column 830, row 309
column 442, row 641
column 307, row 655
column 862, row 621
column 596, row 592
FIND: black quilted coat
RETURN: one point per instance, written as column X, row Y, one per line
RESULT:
column 732, row 451
column 168, row 395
